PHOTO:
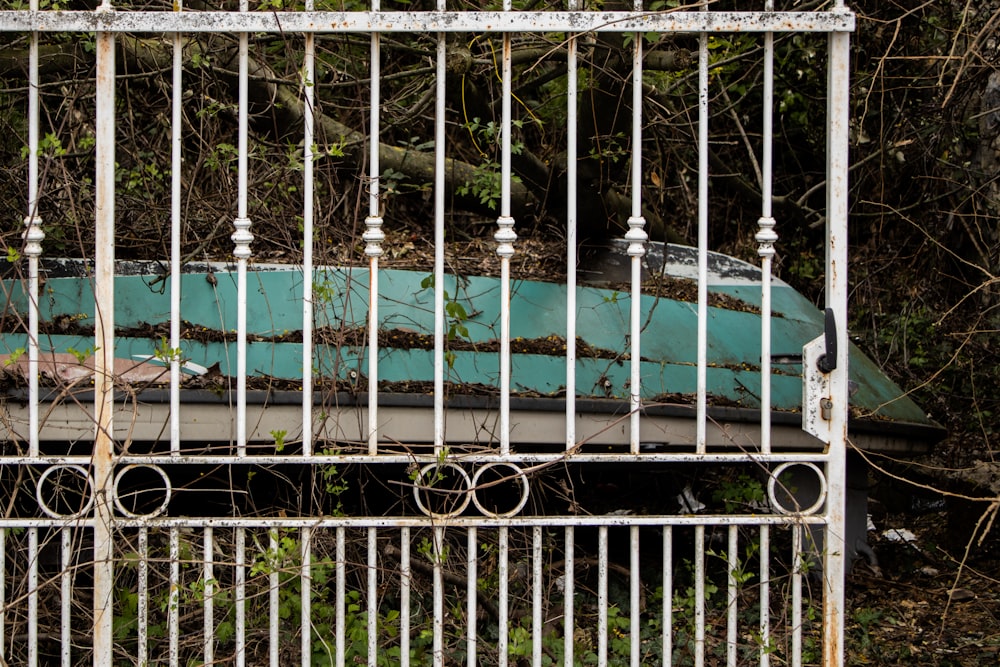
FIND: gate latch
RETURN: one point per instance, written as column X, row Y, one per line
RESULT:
column 819, row 359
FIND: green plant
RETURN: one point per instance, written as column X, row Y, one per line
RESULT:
column 144, row 179
column 457, row 318
column 486, row 183
column 390, row 181
column 163, row 352
column 14, row 357
column 333, row 149
column 334, row 483
column 222, row 158
column 325, row 291
column 812, row 647
column 279, row 439
column 81, row 356
column 49, row 145
column 740, row 572
column 743, row 492
column 126, row 621
column 275, row 553
column 276, row 557
column 612, row 148
column 866, row 618
column 432, row 552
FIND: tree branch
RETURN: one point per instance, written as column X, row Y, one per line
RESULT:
column 284, row 101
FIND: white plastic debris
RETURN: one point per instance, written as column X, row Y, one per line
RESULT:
column 688, row 502
column 898, row 535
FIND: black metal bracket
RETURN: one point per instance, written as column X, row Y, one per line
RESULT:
column 828, row 361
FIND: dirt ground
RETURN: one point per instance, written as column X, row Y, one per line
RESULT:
column 927, row 603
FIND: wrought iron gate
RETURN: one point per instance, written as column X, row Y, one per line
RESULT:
column 457, row 567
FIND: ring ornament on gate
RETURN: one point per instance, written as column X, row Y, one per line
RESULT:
column 445, row 484
column 500, row 481
column 773, row 490
column 66, row 492
column 142, row 490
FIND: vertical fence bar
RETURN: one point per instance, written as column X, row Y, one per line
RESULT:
column 174, row 598
column 602, row 596
column 241, row 240
column 33, row 237
column 636, row 237
column 33, row 597
column 667, row 577
column 104, row 342
column 733, row 558
column 503, row 560
column 175, row 237
column 702, row 370
column 208, row 573
column 572, row 100
column 372, row 597
column 699, row 596
column 274, row 580
column 241, row 598
column 305, row 618
column 66, row 597
column 569, row 595
column 142, row 604
column 373, row 237
column 308, row 157
column 536, row 596
column 765, row 596
column 471, row 592
column 838, row 116
column 505, row 238
column 404, row 596
column 440, row 116
column 341, row 584
column 766, row 237
column 797, row 595
column 635, row 584
column 438, row 583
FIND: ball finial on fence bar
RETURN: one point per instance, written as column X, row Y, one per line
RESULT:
column 766, row 236
column 242, row 238
column 373, row 236
column 33, row 236
column 505, row 236
column 636, row 236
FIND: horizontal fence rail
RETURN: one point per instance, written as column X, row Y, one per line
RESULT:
column 110, row 20
column 247, row 460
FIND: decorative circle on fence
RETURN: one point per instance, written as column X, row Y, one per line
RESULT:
column 790, row 502
column 65, row 491
column 442, row 489
column 491, row 487
column 140, row 492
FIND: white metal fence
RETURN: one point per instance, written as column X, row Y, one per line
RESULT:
column 100, row 559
